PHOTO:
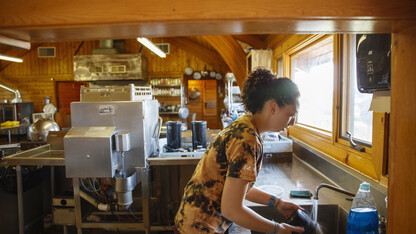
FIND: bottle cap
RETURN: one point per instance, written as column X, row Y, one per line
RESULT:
column 365, row 186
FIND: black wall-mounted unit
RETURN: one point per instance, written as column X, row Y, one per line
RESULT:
column 373, row 62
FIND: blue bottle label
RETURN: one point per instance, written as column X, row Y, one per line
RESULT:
column 362, row 220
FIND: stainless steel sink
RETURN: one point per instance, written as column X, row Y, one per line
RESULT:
column 331, row 218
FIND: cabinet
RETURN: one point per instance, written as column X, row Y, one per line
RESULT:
column 205, row 105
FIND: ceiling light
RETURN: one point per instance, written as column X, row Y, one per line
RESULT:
column 146, row 42
column 12, row 59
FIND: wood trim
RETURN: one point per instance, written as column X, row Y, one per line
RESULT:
column 65, row 21
column 402, row 160
column 308, row 41
column 309, row 130
column 380, row 142
column 336, row 103
column 59, row 11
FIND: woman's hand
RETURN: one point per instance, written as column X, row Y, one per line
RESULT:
column 287, row 208
column 288, row 229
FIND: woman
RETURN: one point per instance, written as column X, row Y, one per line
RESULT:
column 224, row 177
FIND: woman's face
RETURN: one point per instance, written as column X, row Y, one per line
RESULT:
column 284, row 117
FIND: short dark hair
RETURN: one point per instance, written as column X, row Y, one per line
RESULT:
column 262, row 85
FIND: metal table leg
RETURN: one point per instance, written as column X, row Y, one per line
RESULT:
column 10, row 136
column 77, row 198
column 20, row 198
column 144, row 171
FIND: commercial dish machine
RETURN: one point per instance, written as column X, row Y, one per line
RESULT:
column 114, row 130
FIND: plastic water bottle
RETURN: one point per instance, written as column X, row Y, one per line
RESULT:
column 363, row 216
column 235, row 115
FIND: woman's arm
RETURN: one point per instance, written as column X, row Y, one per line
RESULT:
column 259, row 196
column 233, row 209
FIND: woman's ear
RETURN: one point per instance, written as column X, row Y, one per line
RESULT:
column 274, row 108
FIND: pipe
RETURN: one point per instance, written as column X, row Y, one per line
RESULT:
column 333, row 188
column 88, row 198
column 18, row 97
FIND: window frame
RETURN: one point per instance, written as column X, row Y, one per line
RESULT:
column 372, row 162
column 344, row 139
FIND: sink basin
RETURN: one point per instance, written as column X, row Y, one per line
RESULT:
column 331, row 218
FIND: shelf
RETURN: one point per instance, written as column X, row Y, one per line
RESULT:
column 168, row 113
column 167, row 95
column 167, row 86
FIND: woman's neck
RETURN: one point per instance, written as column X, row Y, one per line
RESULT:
column 259, row 122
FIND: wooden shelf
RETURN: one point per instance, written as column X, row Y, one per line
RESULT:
column 166, row 86
column 168, row 113
column 167, row 95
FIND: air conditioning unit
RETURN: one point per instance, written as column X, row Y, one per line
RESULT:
column 110, row 67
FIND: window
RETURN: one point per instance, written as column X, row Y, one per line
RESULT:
column 312, row 70
column 356, row 117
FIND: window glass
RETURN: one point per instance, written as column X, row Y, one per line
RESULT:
column 356, row 116
column 313, row 72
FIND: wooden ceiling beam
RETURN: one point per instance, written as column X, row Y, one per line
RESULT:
column 59, row 20
column 252, row 40
column 232, row 53
column 203, row 53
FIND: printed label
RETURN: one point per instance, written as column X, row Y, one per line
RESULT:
column 106, row 110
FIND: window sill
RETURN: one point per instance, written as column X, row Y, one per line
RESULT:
column 322, row 142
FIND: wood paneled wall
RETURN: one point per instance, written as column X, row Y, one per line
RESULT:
column 35, row 76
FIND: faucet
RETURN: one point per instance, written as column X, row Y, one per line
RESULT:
column 333, row 188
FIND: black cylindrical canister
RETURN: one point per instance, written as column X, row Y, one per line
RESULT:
column 199, row 134
column 173, row 134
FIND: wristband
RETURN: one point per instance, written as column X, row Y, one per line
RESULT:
column 272, row 200
column 276, row 227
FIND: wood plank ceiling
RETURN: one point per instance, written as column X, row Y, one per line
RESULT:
column 224, row 53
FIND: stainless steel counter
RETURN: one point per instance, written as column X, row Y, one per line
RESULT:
column 39, row 156
column 297, row 175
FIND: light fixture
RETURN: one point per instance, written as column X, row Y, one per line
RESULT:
column 12, row 59
column 146, row 42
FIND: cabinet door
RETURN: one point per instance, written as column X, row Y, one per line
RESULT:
column 67, row 92
column 210, row 109
column 210, row 98
column 196, row 105
column 204, row 107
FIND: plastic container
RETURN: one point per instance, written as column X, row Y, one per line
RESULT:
column 363, row 216
column 235, row 115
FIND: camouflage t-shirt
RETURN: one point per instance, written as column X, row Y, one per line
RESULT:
column 235, row 152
